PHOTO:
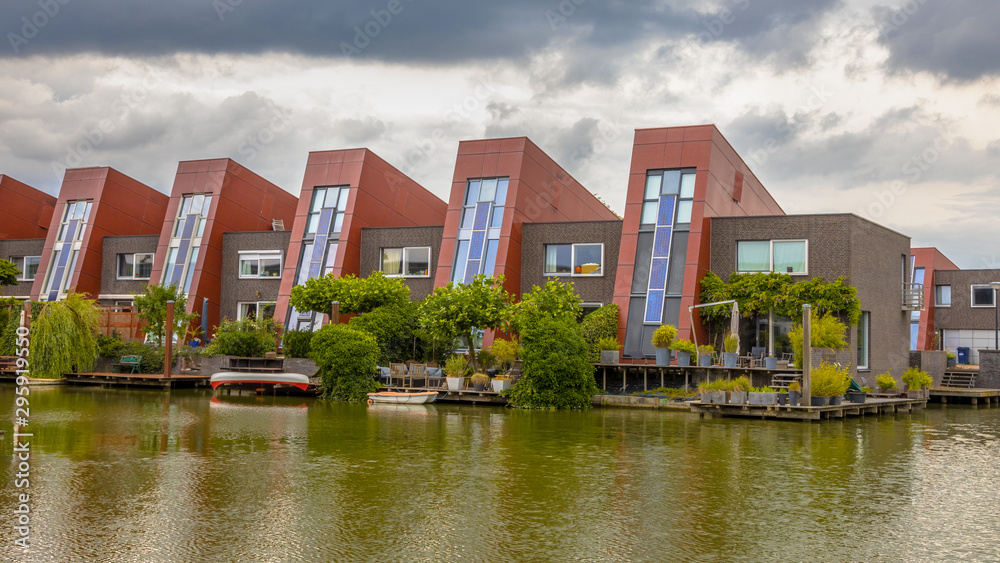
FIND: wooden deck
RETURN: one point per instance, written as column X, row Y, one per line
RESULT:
column 945, row 395
column 154, row 380
column 615, row 378
column 871, row 406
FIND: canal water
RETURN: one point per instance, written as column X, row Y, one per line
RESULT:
column 185, row 476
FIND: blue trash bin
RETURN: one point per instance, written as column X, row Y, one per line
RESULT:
column 963, row 355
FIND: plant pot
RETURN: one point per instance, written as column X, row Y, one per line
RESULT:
column 663, row 356
column 479, row 386
column 713, row 397
column 770, row 362
column 455, row 383
column 836, row 400
column 952, row 362
column 610, row 356
column 737, row 397
column 856, row 396
column 782, row 399
column 762, row 399
column 729, row 359
column 270, row 355
column 683, row 358
column 500, row 384
column 793, row 398
column 820, row 401
column 704, row 360
column 918, row 394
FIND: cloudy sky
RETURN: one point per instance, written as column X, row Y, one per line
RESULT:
column 890, row 110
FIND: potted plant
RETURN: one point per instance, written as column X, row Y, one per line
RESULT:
column 829, row 382
column 505, row 353
column 479, row 381
column 952, row 360
column 857, row 396
column 886, row 383
column 740, row 388
column 685, row 351
column 705, row 355
column 454, row 370
column 915, row 381
column 770, row 362
column 794, row 393
column 663, row 337
column 730, row 344
column 714, row 392
column 764, row 396
column 609, row 348
column 782, row 397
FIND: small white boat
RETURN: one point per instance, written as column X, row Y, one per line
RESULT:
column 418, row 398
column 233, row 377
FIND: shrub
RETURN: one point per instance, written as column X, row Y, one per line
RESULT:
column 248, row 338
column 886, row 381
column 764, row 389
column 795, row 386
column 916, row 379
column 455, row 366
column 742, row 383
column 505, row 353
column 706, row 349
column 827, row 332
column 664, row 336
column 297, row 343
column 557, row 372
column 480, row 379
column 347, row 358
column 829, row 380
column 731, row 343
column 602, row 323
column 717, row 385
column 608, row 344
column 682, row 345
column 152, row 355
column 394, row 328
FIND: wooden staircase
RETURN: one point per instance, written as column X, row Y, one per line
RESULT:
column 959, row 379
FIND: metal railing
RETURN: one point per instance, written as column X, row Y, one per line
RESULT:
column 913, row 297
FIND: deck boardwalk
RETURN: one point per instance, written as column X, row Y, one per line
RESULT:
column 989, row 397
column 137, row 380
column 871, row 406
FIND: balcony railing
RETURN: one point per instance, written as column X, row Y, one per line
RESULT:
column 913, row 297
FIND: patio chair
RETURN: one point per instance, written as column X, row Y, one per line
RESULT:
column 418, row 373
column 397, row 371
column 435, row 377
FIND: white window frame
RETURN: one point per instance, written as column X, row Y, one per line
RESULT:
column 135, row 260
column 24, row 266
column 771, row 256
column 572, row 260
column 406, row 259
column 972, row 296
column 258, row 255
column 936, row 302
column 258, row 304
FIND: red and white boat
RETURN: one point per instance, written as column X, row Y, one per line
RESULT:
column 238, row 378
column 401, row 398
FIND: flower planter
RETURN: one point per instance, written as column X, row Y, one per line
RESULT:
column 820, row 401
column 500, row 384
column 663, row 356
column 704, row 360
column 793, row 398
column 856, row 396
column 782, row 399
column 729, row 359
column 713, row 397
column 737, row 397
column 763, row 399
column 836, row 400
column 455, row 383
column 918, row 394
column 771, row 362
column 952, row 362
column 683, row 358
column 610, row 356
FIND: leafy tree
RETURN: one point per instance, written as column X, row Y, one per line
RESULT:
column 347, row 358
column 395, row 329
column 152, row 308
column 602, row 323
column 8, row 273
column 356, row 295
column 64, row 337
column 555, row 300
column 556, row 371
column 297, row 342
column 459, row 310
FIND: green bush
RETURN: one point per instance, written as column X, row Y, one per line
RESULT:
column 394, row 328
column 296, row 343
column 152, row 355
column 682, row 345
column 916, row 379
column 731, row 343
column 829, row 380
column 608, row 344
column 827, row 332
column 455, row 366
column 505, row 352
column 247, row 338
column 664, row 336
column 347, row 358
column 886, row 381
column 556, row 372
column 602, row 323
column 742, row 383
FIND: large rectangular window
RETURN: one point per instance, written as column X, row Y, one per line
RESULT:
column 942, row 296
column 582, row 259
column 983, row 296
column 407, row 262
column 864, row 326
column 27, row 266
column 784, row 256
column 260, row 264
column 136, row 266
column 256, row 310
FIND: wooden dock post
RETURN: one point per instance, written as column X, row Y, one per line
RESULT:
column 335, row 312
column 168, row 352
column 807, row 354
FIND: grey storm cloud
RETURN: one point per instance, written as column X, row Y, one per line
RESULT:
column 957, row 39
column 394, row 30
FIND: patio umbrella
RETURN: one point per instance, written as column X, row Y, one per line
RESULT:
column 734, row 324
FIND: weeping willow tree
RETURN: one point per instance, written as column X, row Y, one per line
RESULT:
column 63, row 337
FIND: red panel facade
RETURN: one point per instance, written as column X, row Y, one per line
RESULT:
column 121, row 206
column 26, row 212
column 724, row 186
column 932, row 260
column 379, row 196
column 242, row 201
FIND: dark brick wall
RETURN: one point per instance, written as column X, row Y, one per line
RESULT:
column 236, row 290
column 591, row 289
column 113, row 246
column 867, row 255
column 961, row 314
column 374, row 239
column 20, row 247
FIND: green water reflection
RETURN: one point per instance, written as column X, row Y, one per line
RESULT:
column 150, row 476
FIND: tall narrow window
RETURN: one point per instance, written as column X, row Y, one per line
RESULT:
column 864, row 324
column 479, row 228
column 320, row 243
column 185, row 242
column 67, row 246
